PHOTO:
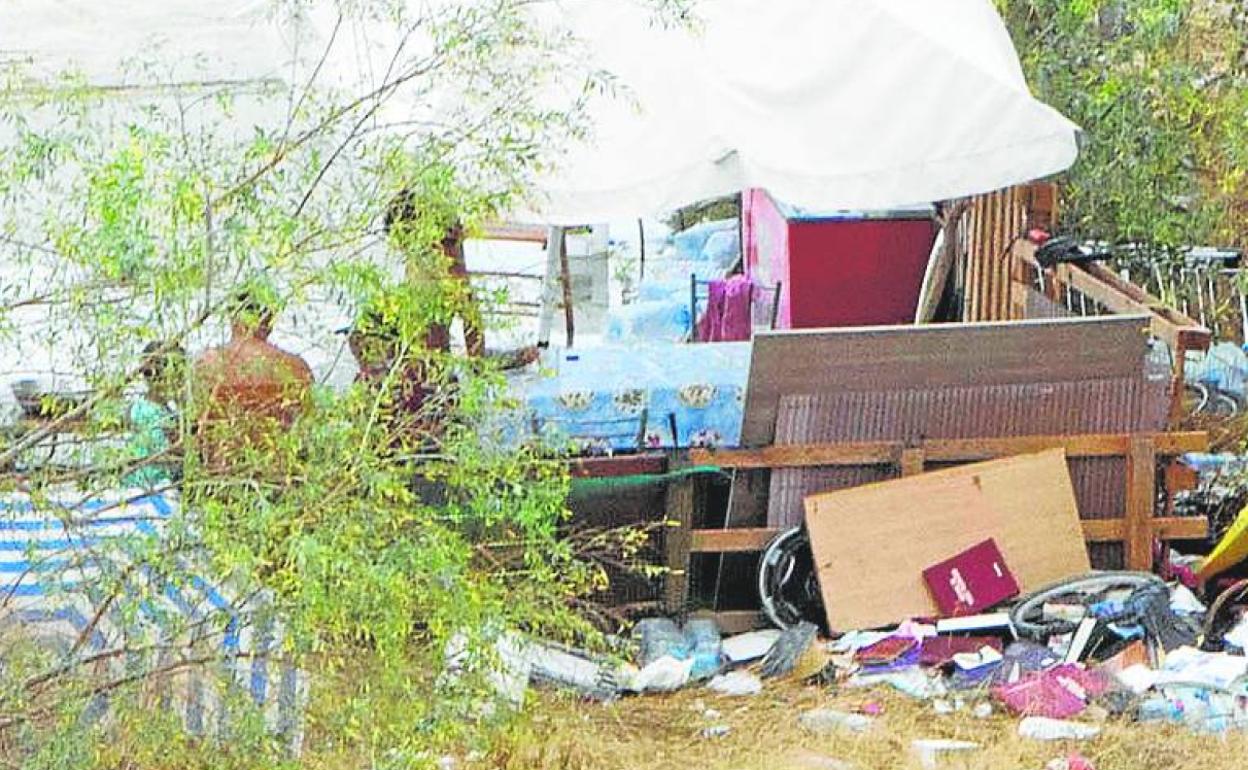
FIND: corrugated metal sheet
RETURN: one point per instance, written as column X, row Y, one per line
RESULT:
column 1124, row 404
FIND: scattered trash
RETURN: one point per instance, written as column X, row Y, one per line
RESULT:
column 705, row 647
column 813, row 761
column 663, row 675
column 736, row 683
column 827, row 721
column 1045, row 729
column 1134, row 654
column 911, row 681
column 1184, row 601
column 938, row 651
column 1188, row 665
column 716, row 731
column 852, row 641
column 1137, row 678
column 572, row 669
column 788, row 649
column 982, row 710
column 659, row 638
column 984, row 656
column 1079, row 643
column 871, row 709
column 753, row 645
column 887, row 651
column 1072, row 761
column 1238, row 635
column 1060, row 692
column 929, row 750
column 989, row 623
column 972, row 581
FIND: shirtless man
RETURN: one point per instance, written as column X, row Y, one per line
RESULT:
column 249, row 389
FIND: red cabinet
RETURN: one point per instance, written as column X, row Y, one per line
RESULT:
column 841, row 269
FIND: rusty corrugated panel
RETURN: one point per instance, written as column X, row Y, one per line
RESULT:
column 971, row 411
column 901, row 358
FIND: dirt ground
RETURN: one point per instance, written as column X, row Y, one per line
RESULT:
column 662, row 732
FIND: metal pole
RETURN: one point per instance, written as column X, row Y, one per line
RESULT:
column 554, row 245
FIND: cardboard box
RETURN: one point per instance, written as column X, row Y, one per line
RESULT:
column 872, row 543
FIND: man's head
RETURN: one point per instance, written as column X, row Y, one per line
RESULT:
column 373, row 340
column 251, row 316
column 162, row 367
column 405, row 212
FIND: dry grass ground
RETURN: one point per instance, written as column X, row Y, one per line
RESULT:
column 662, row 732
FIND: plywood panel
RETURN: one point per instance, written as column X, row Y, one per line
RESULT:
column 871, row 543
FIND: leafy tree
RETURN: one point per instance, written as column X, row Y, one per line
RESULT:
column 131, row 218
column 1160, row 89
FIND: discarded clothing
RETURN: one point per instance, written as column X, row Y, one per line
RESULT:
column 1058, row 693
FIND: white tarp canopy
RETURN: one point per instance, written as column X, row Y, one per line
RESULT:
column 828, row 104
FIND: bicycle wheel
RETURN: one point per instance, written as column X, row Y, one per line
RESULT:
column 1027, row 616
column 1222, row 405
column 1195, row 398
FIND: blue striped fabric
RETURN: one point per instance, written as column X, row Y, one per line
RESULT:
column 56, row 558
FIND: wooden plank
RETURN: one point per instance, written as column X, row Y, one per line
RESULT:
column 941, row 450
column 735, row 621
column 975, row 237
column 1088, row 445
column 1180, row 528
column 1094, row 531
column 877, row 359
column 870, row 543
column 1166, row 323
column 1163, row 528
column 620, row 465
column 680, row 504
column 997, row 254
column 745, row 540
column 981, row 257
column 1141, row 499
column 1103, row 530
column 1015, row 231
column 800, row 455
column 912, row 460
column 509, row 231
column 991, row 243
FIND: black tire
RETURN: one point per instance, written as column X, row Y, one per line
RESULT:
column 786, row 583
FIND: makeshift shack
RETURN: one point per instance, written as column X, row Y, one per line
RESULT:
column 1090, row 367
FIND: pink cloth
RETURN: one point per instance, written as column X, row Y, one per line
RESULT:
column 1059, row 693
column 729, row 305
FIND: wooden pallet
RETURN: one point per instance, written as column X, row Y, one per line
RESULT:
column 1137, row 530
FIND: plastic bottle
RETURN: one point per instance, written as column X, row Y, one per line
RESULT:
column 1159, row 709
column 1158, row 362
column 659, row 637
column 1045, row 729
column 706, row 646
column 826, row 721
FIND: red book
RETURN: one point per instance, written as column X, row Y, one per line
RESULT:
column 971, row 582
